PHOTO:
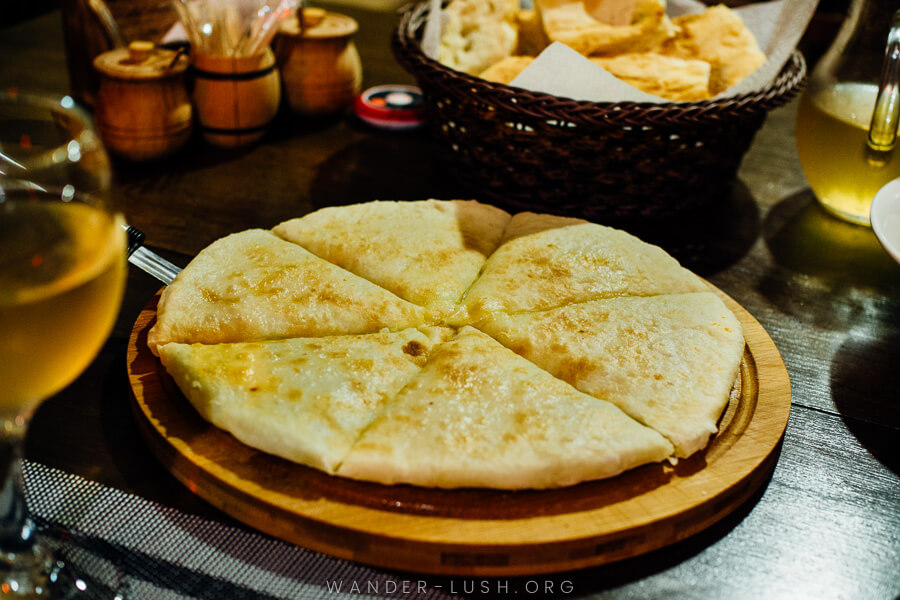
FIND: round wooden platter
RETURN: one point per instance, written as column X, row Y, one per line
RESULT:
column 472, row 532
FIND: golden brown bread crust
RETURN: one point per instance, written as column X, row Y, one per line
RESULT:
column 719, row 37
column 689, row 58
column 532, row 37
column 437, row 406
column 507, row 69
column 571, row 24
column 668, row 77
column 254, row 286
column 668, row 361
column 478, row 415
column 427, row 252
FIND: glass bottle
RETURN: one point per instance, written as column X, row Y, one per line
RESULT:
column 846, row 144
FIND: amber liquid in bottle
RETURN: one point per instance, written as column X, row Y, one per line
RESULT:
column 843, row 172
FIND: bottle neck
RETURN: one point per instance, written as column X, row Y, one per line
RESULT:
column 857, row 51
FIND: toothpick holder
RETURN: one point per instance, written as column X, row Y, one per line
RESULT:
column 236, row 98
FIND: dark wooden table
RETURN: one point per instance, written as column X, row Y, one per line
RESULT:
column 827, row 524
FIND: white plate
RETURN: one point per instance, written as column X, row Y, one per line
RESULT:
column 885, row 215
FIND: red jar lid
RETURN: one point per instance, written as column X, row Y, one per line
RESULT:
column 391, row 106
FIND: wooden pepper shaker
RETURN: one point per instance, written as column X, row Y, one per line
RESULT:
column 143, row 110
column 320, row 66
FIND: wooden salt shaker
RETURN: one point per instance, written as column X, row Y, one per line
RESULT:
column 320, row 65
column 236, row 97
column 143, row 110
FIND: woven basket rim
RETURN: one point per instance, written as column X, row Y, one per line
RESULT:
column 406, row 44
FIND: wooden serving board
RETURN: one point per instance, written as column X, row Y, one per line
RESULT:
column 472, row 532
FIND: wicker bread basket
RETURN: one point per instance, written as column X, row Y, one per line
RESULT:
column 601, row 161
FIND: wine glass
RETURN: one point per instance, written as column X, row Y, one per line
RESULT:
column 51, row 142
column 62, row 276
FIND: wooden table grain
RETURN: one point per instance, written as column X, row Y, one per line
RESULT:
column 827, row 524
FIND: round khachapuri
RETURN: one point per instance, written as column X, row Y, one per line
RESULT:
column 450, row 344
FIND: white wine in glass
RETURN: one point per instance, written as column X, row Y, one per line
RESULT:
column 62, row 268
column 62, row 276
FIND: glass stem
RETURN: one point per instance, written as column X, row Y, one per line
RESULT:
column 16, row 528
